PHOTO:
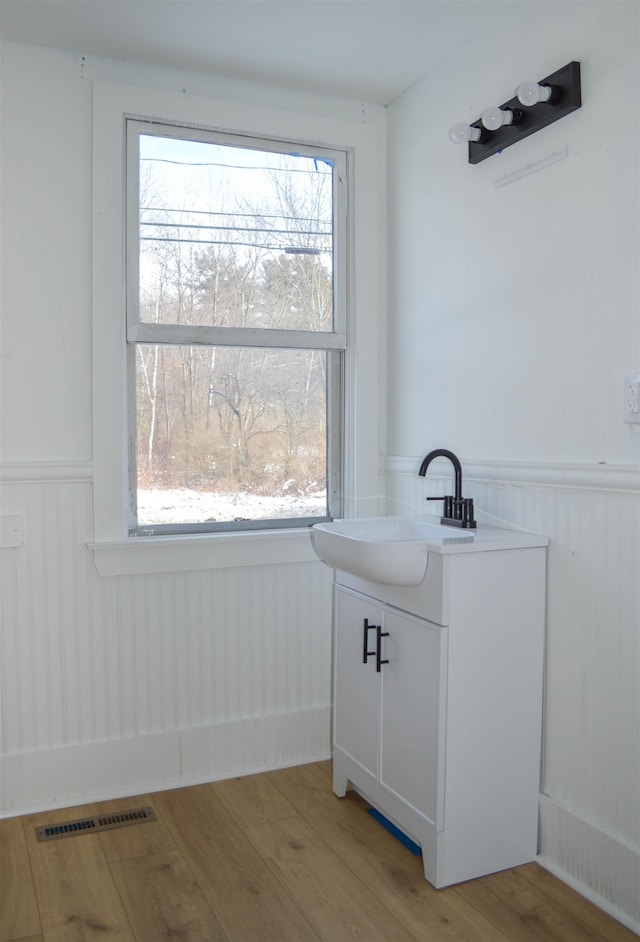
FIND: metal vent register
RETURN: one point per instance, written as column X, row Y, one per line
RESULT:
column 100, row 823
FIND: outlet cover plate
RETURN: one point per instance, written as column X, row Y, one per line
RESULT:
column 632, row 398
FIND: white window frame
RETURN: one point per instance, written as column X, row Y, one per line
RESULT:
column 357, row 130
column 332, row 342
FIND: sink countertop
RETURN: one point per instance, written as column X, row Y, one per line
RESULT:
column 484, row 538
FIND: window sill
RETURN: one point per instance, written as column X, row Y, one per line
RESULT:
column 145, row 555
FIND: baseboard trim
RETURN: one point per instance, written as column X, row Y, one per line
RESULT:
column 57, row 778
column 600, row 866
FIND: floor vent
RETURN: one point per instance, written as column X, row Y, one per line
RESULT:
column 100, row 823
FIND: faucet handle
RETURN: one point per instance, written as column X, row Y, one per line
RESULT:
column 448, row 505
column 467, row 512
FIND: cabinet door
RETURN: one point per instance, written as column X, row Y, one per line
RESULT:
column 412, row 714
column 357, row 685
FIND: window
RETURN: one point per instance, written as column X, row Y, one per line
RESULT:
column 345, row 134
column 236, row 330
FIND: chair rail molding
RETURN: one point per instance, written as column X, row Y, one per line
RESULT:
column 598, row 476
column 41, row 472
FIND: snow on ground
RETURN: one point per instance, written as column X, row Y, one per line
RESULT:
column 190, row 506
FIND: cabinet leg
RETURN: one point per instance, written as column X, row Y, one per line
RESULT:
column 430, row 846
column 339, row 781
column 426, row 866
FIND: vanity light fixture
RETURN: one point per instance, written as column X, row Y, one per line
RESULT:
column 536, row 105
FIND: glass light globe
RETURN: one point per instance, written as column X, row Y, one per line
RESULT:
column 494, row 118
column 462, row 133
column 530, row 93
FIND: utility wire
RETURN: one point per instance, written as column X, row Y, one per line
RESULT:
column 190, row 163
column 251, row 245
column 221, row 228
column 233, row 215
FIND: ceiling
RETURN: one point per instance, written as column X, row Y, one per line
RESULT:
column 364, row 49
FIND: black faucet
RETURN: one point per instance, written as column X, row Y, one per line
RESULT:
column 458, row 510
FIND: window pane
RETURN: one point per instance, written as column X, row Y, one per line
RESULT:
column 234, row 237
column 228, row 433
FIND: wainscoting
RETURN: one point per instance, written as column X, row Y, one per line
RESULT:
column 115, row 685
column 118, row 685
column 590, row 803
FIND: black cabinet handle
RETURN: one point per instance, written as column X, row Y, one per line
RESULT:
column 366, row 653
column 380, row 634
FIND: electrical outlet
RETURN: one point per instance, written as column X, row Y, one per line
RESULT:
column 632, row 398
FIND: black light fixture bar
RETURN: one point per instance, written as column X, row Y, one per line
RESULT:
column 566, row 97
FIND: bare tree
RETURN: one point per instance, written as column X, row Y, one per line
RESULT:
column 280, row 276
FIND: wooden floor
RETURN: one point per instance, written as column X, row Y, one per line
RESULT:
column 272, row 856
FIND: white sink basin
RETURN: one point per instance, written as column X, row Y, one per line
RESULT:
column 390, row 550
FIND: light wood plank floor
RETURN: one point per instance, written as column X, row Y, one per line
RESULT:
column 268, row 857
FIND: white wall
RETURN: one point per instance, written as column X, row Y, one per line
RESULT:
column 515, row 310
column 513, row 315
column 121, row 683
column 46, row 257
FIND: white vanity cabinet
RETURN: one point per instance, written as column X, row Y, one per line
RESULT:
column 389, row 716
column 438, row 703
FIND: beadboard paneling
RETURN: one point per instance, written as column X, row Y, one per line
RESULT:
column 86, row 660
column 602, row 866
